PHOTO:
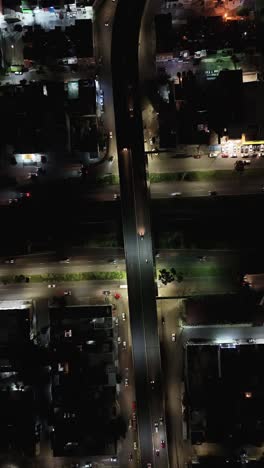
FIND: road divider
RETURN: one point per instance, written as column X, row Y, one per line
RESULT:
column 192, row 176
column 64, row 277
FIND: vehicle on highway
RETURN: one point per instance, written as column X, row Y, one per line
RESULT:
column 130, row 106
column 162, row 320
column 212, row 193
column 32, row 175
column 173, row 337
column 110, row 134
column 141, row 235
column 107, row 23
column 202, row 258
column 123, row 316
column 65, row 260
column 88, row 465
column 134, row 421
column 52, row 285
column 12, row 201
column 9, row 261
column 119, row 339
column 134, row 405
column 213, row 155
column 175, row 194
column 156, row 425
column 113, row 459
column 124, row 345
column 157, row 452
column 163, row 444
column 152, row 383
column 251, row 341
column 116, row 322
column 224, row 155
column 135, row 446
column 246, row 162
column 116, row 196
column 67, row 293
column 126, row 382
column 112, row 260
column 161, row 420
column 130, row 424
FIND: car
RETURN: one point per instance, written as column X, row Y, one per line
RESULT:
column 152, row 383
column 212, row 193
column 141, row 235
column 173, row 337
column 126, row 382
column 162, row 320
column 197, row 156
column 124, row 344
column 65, row 260
column 224, row 155
column 163, row 444
column 67, row 293
column 113, row 459
column 123, row 316
column 149, row 465
column 112, row 260
column 32, row 175
column 52, row 285
column 134, row 405
column 13, row 201
column 110, row 134
column 18, row 73
column 213, row 155
column 157, row 452
column 246, row 162
column 161, row 420
column 130, row 456
column 251, row 341
column 135, row 446
column 106, row 23
column 116, row 196
column 176, row 194
column 202, row 258
column 9, row 261
column 130, row 424
column 119, row 339
column 134, row 422
column 116, row 322
column 156, row 425
column 88, row 464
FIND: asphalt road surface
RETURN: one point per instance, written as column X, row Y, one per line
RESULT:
column 135, row 209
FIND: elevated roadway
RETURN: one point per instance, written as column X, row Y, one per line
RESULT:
column 134, row 191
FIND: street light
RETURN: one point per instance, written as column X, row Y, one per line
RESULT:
column 12, row 58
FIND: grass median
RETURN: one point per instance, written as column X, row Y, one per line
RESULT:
column 63, row 278
column 192, row 176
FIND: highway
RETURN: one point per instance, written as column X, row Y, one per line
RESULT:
column 137, row 230
column 163, row 190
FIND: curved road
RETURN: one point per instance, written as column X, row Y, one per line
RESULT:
column 136, row 220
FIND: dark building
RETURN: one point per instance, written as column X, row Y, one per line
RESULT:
column 18, row 422
column 83, row 380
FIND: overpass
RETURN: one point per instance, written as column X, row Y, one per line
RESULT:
column 134, row 190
